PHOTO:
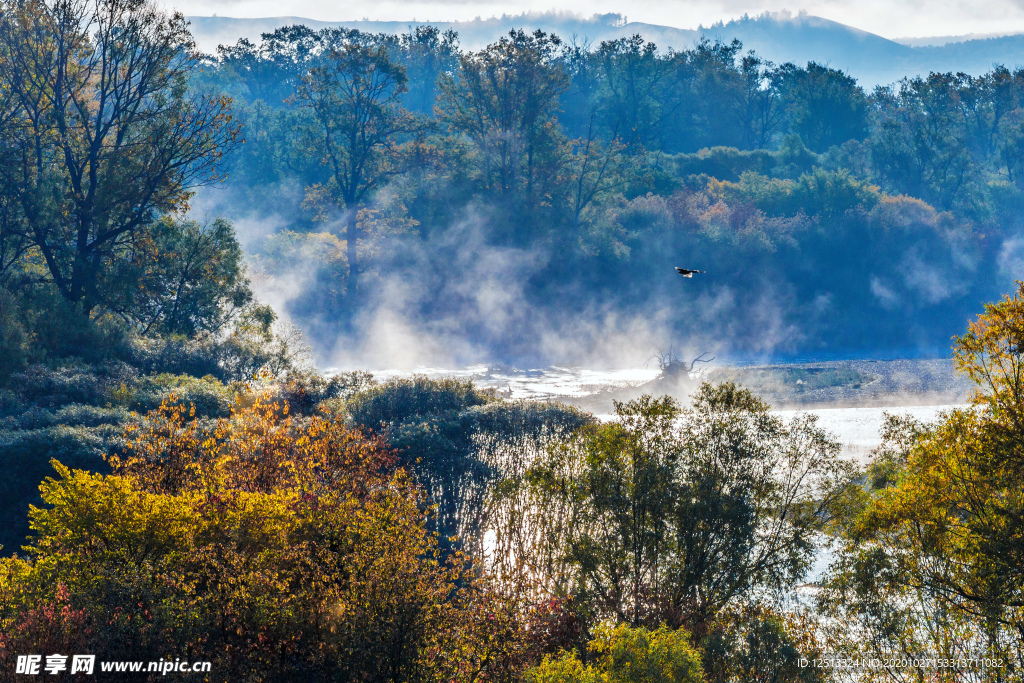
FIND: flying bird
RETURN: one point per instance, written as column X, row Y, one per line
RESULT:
column 686, row 272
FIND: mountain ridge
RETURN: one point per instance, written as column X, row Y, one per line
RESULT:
column 780, row 37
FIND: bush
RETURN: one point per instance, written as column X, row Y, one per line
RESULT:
column 398, row 400
column 176, row 354
column 72, row 383
column 627, row 655
column 25, row 457
column 209, row 396
column 307, row 390
column 58, row 329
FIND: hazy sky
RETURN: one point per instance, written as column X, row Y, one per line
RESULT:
column 890, row 18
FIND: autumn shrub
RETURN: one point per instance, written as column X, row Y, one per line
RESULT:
column 274, row 546
column 621, row 654
column 25, row 455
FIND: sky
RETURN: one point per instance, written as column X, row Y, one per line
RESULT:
column 888, row 18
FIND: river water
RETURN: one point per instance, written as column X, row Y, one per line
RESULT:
column 857, row 429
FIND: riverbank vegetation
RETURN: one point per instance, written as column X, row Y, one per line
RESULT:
column 426, row 530
column 180, row 481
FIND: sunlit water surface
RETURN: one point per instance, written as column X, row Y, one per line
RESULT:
column 542, row 383
column 857, row 429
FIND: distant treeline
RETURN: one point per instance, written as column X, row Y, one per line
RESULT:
column 527, row 191
column 870, row 221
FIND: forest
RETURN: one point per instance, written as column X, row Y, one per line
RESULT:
column 565, row 181
column 182, row 482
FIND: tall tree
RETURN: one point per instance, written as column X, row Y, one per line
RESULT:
column 922, row 145
column 111, row 136
column 936, row 557
column 13, row 243
column 355, row 90
column 633, row 76
column 761, row 109
column 668, row 515
column 505, row 99
column 427, row 53
column 826, row 106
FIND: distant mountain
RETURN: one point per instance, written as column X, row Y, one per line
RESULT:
column 780, row 37
column 938, row 41
column 974, row 56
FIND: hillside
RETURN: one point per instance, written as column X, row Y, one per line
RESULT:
column 780, row 37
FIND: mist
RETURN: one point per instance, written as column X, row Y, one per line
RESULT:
column 815, row 245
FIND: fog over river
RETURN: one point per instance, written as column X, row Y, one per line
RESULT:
column 856, row 427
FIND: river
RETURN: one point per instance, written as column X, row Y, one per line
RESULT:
column 856, row 428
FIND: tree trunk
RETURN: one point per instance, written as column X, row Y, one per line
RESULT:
column 350, row 252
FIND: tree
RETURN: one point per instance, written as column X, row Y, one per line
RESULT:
column 273, row 70
column 354, row 89
column 934, row 560
column 633, row 79
column 922, row 146
column 667, row 515
column 14, row 244
column 427, row 53
column 762, row 112
column 459, row 442
column 110, row 136
column 184, row 278
column 505, row 99
column 826, row 106
column 273, row 546
column 714, row 93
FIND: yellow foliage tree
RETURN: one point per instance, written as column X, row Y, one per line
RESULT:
column 270, row 545
column 935, row 563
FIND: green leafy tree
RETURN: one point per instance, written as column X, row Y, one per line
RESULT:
column 922, row 146
column 826, row 106
column 109, row 134
column 460, row 442
column 633, row 79
column 668, row 515
column 354, row 89
column 186, row 279
column 504, row 99
column 427, row 53
column 762, row 112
